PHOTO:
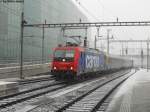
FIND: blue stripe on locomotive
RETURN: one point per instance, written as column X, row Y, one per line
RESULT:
column 82, row 62
column 91, row 62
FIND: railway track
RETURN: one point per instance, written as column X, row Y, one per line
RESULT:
column 9, row 101
column 104, row 105
column 28, row 81
column 12, row 99
column 64, row 102
column 93, row 99
column 28, row 85
column 36, row 84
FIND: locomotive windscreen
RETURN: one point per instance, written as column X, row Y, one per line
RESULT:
column 68, row 55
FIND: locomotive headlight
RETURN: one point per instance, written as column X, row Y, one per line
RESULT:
column 55, row 68
column 63, row 60
column 71, row 68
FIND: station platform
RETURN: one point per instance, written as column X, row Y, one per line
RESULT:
column 8, row 87
column 28, row 70
column 25, row 78
column 133, row 95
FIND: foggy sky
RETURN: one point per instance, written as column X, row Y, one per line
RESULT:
column 125, row 10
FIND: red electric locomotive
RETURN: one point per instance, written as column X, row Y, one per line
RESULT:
column 65, row 61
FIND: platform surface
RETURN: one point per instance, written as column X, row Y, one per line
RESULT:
column 133, row 95
column 8, row 87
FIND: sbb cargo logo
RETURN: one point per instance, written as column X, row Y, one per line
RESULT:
column 92, row 61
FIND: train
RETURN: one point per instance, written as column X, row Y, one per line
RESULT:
column 76, row 62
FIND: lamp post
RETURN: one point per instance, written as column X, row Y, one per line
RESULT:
column 95, row 41
column 108, row 31
column 43, row 36
column 21, row 46
column 147, row 55
column 85, row 38
column 22, row 40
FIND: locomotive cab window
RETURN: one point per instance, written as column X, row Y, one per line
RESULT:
column 59, row 53
column 64, row 54
column 70, row 54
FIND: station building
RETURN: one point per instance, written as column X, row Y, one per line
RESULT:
column 35, row 11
